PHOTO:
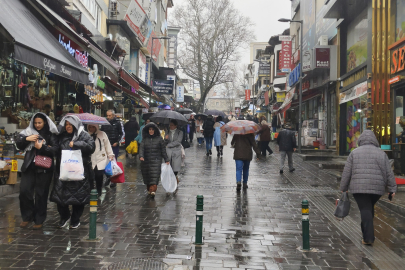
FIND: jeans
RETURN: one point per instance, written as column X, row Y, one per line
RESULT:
column 191, row 136
column 77, row 211
column 200, row 140
column 116, row 150
column 220, row 149
column 264, row 146
column 366, row 204
column 242, row 166
column 290, row 160
column 208, row 143
column 274, row 129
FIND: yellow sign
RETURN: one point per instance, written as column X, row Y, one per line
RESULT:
column 280, row 97
column 14, row 165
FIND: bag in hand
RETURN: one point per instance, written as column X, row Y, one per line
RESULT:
column 43, row 162
column 185, row 144
column 343, row 206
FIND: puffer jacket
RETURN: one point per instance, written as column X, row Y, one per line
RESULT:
column 367, row 168
column 103, row 150
column 286, row 140
column 243, row 147
column 74, row 192
column 113, row 131
column 208, row 127
column 152, row 149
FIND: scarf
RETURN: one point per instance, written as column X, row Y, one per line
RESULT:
column 76, row 122
column 172, row 133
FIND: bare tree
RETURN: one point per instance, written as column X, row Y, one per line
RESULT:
column 212, row 33
column 233, row 88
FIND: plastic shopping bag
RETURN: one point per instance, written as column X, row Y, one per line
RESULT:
column 169, row 181
column 132, row 148
column 115, row 168
column 108, row 169
column 343, row 206
column 120, row 178
column 71, row 166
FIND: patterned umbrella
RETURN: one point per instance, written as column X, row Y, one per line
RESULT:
column 88, row 118
column 164, row 107
column 241, row 127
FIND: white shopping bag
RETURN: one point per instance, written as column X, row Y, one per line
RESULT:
column 169, row 181
column 71, row 166
column 116, row 169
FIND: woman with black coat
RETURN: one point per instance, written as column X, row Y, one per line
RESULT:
column 151, row 152
column 39, row 138
column 75, row 193
column 131, row 129
column 208, row 131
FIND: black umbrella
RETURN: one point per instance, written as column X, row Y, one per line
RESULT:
column 184, row 111
column 146, row 116
column 202, row 115
column 215, row 112
column 164, row 117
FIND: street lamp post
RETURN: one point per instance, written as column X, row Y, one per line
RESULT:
column 300, row 94
column 150, row 65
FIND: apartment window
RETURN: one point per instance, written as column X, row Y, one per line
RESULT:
column 90, row 5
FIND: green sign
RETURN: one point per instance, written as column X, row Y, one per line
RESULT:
column 100, row 83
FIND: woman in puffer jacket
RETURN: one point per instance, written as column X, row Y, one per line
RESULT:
column 151, row 152
column 366, row 175
column 75, row 193
column 101, row 156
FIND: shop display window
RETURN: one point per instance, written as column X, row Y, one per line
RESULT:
column 399, row 109
column 356, row 121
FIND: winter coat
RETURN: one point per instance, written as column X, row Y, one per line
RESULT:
column 131, row 129
column 103, row 150
column 367, row 168
column 243, row 147
column 153, row 150
column 139, row 137
column 265, row 133
column 219, row 136
column 286, row 140
column 192, row 125
column 198, row 129
column 173, row 148
column 274, row 121
column 208, row 127
column 74, row 192
column 113, row 131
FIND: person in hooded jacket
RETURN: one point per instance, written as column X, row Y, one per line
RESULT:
column 151, row 152
column 131, row 129
column 265, row 136
column 208, row 131
column 101, row 156
column 75, row 193
column 39, row 138
column 219, row 136
column 173, row 141
column 139, row 137
column 366, row 175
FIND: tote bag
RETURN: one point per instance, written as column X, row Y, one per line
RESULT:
column 71, row 166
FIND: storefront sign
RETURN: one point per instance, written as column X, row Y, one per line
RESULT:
column 286, row 53
column 280, row 97
column 142, row 66
column 118, row 96
column 247, row 94
column 394, row 80
column 296, row 57
column 71, row 47
column 180, row 94
column 100, row 84
column 264, row 69
column 322, row 58
column 138, row 21
column 294, row 75
column 147, row 74
column 354, row 92
column 133, row 90
column 94, row 94
column 156, row 46
column 398, row 60
column 164, row 87
column 306, row 61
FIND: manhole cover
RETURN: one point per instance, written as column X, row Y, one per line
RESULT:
column 139, row 264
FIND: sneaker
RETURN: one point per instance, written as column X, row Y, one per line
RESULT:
column 281, row 171
column 245, row 185
column 293, row 169
column 238, row 186
column 74, row 226
column 63, row 222
column 113, row 185
column 24, row 224
column 37, row 226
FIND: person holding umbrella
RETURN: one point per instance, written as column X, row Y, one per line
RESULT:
column 208, row 131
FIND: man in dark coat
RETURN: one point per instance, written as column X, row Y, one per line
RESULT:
column 151, row 152
column 192, row 128
column 131, row 129
column 208, row 131
column 287, row 145
column 113, row 131
column 274, row 122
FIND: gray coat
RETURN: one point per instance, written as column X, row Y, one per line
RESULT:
column 173, row 148
column 367, row 168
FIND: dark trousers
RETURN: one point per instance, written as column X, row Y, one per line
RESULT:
column 116, row 150
column 366, row 204
column 77, row 212
column 99, row 177
column 220, row 148
column 33, row 182
column 191, row 136
column 264, row 146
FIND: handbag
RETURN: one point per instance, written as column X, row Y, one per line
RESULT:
column 343, row 206
column 185, row 144
column 43, row 162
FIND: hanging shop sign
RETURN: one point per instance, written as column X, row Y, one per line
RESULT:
column 163, row 87
column 142, row 66
column 322, row 58
column 93, row 93
column 264, row 69
column 294, row 75
column 118, row 96
column 286, row 53
column 354, row 92
column 156, row 46
column 73, row 49
column 280, row 97
column 133, row 90
column 247, row 94
column 306, row 61
column 296, row 57
column 180, row 94
column 147, row 73
column 100, row 84
column 138, row 21
column 396, row 79
column 398, row 60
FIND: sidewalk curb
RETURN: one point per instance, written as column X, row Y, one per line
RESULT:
column 9, row 189
column 393, row 206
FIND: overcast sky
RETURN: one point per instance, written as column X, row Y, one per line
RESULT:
column 265, row 14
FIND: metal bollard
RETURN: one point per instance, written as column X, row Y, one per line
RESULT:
column 93, row 214
column 305, row 225
column 199, row 220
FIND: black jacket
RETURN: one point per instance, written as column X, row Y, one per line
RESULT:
column 286, row 140
column 152, row 149
column 208, row 128
column 274, row 121
column 131, row 129
column 74, row 192
column 192, row 126
column 113, row 131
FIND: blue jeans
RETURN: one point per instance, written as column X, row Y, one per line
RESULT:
column 208, row 143
column 242, row 166
column 274, row 129
column 200, row 140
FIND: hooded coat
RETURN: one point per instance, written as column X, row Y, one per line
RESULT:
column 367, row 168
column 152, row 149
column 103, row 151
column 131, row 129
column 173, row 148
column 208, row 127
column 50, row 144
column 74, row 192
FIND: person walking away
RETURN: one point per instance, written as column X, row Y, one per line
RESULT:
column 131, row 129
column 39, row 138
column 366, row 175
column 74, row 193
column 219, row 136
column 242, row 155
column 173, row 146
column 139, row 137
column 208, row 131
column 192, row 128
column 274, row 122
column 265, row 136
column 199, row 131
column 151, row 152
column 287, row 146
column 102, row 155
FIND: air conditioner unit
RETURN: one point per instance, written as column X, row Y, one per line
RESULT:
column 323, row 40
column 115, row 8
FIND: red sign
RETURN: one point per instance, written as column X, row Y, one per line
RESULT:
column 73, row 49
column 398, row 60
column 296, row 57
column 394, row 79
column 322, row 58
column 286, row 53
column 156, row 46
column 247, row 94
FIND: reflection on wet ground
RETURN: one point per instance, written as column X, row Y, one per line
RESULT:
column 259, row 228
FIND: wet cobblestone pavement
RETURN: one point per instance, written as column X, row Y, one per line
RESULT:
column 259, row 228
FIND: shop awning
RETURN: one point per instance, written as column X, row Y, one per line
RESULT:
column 34, row 45
column 118, row 86
column 287, row 101
column 278, row 81
column 129, row 79
column 103, row 59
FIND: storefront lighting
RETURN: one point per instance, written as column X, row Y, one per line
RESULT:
column 359, row 110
